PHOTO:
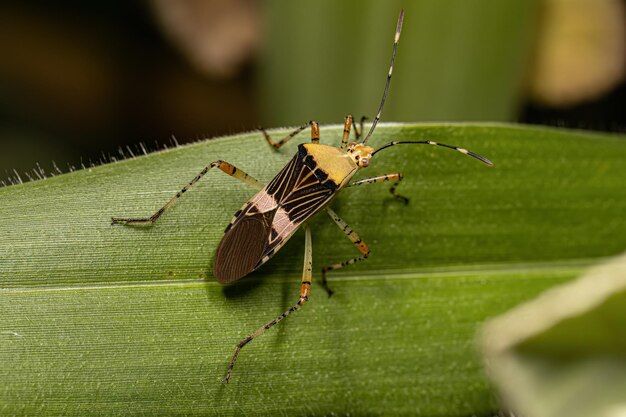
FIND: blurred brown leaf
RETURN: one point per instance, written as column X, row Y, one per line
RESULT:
column 581, row 51
column 217, row 36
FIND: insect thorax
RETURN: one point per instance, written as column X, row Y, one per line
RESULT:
column 333, row 162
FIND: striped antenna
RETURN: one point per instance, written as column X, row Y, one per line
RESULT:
column 393, row 57
column 430, row 142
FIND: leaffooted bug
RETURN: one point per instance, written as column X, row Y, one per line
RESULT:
column 304, row 186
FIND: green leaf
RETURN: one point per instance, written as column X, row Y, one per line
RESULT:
column 99, row 319
column 562, row 354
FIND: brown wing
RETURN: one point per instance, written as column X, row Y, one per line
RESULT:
column 271, row 217
column 242, row 246
column 300, row 192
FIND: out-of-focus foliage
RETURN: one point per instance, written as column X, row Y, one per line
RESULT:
column 562, row 354
column 580, row 51
column 457, row 60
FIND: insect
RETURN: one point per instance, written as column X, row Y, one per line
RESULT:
column 305, row 186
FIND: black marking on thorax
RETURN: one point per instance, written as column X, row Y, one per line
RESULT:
column 296, row 176
column 319, row 173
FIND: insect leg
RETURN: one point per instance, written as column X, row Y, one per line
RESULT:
column 354, row 237
column 396, row 176
column 224, row 166
column 315, row 134
column 358, row 132
column 347, row 124
column 305, row 290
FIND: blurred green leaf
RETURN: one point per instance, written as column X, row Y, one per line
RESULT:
column 562, row 354
column 104, row 320
column 457, row 60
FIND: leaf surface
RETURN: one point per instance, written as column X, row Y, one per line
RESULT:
column 102, row 320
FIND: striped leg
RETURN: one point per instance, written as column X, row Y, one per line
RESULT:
column 396, row 176
column 358, row 132
column 347, row 125
column 351, row 234
column 224, row 166
column 305, row 290
column 315, row 134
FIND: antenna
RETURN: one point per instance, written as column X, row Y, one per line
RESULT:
column 393, row 57
column 430, row 142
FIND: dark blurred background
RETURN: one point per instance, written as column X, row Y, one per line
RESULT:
column 85, row 82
